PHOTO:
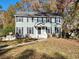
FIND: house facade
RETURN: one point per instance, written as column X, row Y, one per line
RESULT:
column 37, row 26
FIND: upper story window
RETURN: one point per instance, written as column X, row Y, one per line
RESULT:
column 48, row 20
column 39, row 20
column 29, row 19
column 34, row 19
column 19, row 19
column 53, row 20
column 57, row 19
column 44, row 19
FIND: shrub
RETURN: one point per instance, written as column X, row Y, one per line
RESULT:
column 19, row 40
column 8, row 29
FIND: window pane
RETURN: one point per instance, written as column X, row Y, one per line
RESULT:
column 39, row 19
column 56, row 30
column 34, row 19
column 25, row 18
column 48, row 20
column 19, row 19
column 57, row 20
column 48, row 30
column 29, row 19
column 16, row 29
column 20, row 30
column 53, row 19
column 32, row 30
column 27, row 30
column 44, row 20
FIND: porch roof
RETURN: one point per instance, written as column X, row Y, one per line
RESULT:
column 40, row 25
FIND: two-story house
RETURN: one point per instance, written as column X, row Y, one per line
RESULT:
column 37, row 25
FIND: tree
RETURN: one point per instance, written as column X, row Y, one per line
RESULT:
column 1, row 18
column 35, row 5
column 71, row 16
column 18, row 5
column 24, row 1
column 9, row 19
column 53, row 6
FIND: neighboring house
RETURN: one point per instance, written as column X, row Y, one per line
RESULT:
column 37, row 25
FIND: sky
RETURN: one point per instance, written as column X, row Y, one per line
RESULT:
column 6, row 3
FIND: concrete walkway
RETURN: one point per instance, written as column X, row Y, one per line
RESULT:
column 22, row 44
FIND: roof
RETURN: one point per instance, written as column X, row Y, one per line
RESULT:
column 36, row 14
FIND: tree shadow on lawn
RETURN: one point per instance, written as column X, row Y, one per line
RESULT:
column 2, row 56
column 32, row 54
column 4, row 51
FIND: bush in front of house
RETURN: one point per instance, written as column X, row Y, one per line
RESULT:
column 19, row 40
column 8, row 29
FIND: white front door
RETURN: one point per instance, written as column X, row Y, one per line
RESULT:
column 42, row 32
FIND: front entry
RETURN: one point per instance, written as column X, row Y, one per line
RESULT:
column 41, row 31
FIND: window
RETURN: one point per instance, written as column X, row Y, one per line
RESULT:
column 48, row 20
column 19, row 19
column 25, row 19
column 44, row 20
column 39, row 30
column 16, row 29
column 34, row 19
column 56, row 29
column 30, row 30
column 22, row 30
column 57, row 20
column 53, row 20
column 19, row 30
column 27, row 30
column 48, row 30
column 39, row 20
column 29, row 19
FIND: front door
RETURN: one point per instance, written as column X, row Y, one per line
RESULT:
column 42, row 32
column 39, row 31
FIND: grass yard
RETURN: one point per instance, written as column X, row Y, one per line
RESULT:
column 8, row 42
column 52, row 48
column 15, row 42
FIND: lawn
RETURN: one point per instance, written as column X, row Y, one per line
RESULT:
column 15, row 42
column 53, row 48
